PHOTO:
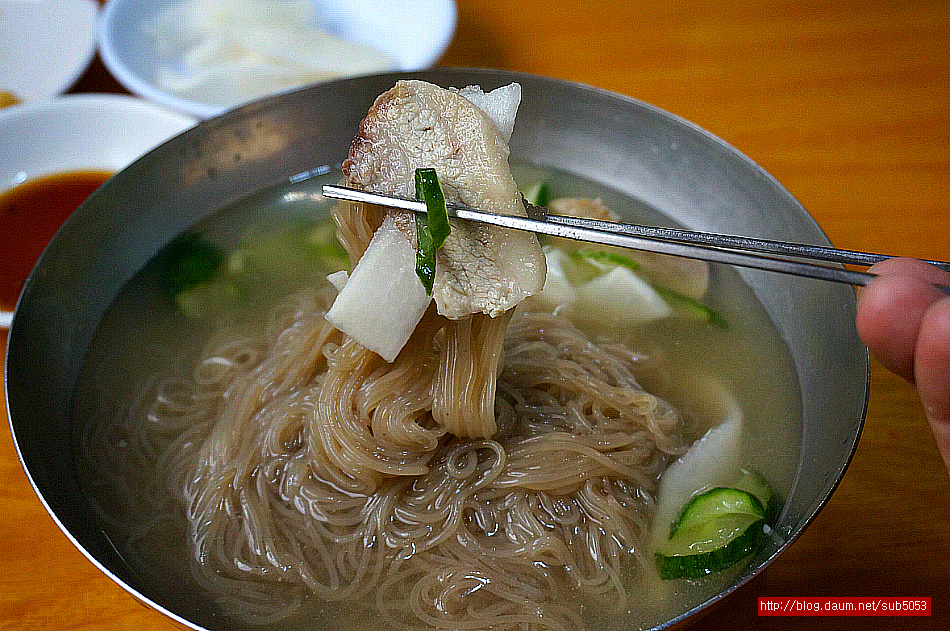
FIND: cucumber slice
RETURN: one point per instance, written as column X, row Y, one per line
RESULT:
column 695, row 564
column 717, row 503
column 716, row 529
column 755, row 483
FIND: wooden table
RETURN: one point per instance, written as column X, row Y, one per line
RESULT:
column 847, row 104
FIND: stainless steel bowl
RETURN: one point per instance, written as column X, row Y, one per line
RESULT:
column 679, row 169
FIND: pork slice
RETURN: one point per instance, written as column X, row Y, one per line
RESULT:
column 480, row 269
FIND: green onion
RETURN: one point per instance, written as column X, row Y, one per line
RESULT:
column 690, row 308
column 432, row 229
column 189, row 260
column 605, row 257
column 538, row 194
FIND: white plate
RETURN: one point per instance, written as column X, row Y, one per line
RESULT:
column 414, row 33
column 45, row 45
column 80, row 132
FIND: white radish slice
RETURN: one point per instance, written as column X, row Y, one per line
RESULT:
column 621, row 298
column 711, row 461
column 383, row 299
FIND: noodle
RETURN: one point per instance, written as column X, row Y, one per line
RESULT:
column 494, row 470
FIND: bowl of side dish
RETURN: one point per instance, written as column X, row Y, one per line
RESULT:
column 45, row 47
column 205, row 56
column 94, row 310
column 54, row 153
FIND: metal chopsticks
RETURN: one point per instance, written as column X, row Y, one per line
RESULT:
column 776, row 256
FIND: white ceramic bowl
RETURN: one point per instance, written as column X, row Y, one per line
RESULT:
column 81, row 132
column 45, row 45
column 414, row 33
column 77, row 133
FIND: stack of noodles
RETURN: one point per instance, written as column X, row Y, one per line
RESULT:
column 498, row 472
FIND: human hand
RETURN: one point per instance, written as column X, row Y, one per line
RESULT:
column 905, row 322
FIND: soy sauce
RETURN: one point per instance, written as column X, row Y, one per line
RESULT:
column 30, row 214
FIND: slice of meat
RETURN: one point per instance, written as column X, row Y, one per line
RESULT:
column 480, row 269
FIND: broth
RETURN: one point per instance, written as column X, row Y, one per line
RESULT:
column 133, row 342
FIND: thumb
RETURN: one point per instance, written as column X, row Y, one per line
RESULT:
column 891, row 309
column 932, row 372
